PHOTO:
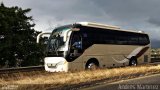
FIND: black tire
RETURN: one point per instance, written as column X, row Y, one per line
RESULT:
column 133, row 62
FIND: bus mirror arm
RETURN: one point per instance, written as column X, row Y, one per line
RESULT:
column 39, row 35
column 72, row 29
column 66, row 36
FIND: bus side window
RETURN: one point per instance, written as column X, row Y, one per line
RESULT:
column 76, row 42
column 76, row 45
column 143, row 40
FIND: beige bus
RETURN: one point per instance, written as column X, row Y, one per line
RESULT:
column 86, row 45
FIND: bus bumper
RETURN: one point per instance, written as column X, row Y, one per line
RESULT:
column 56, row 64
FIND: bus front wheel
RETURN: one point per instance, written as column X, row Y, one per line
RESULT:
column 92, row 64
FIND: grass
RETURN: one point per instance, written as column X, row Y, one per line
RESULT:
column 44, row 80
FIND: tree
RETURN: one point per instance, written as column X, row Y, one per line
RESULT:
column 18, row 38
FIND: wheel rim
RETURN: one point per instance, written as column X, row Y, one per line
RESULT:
column 133, row 63
column 92, row 66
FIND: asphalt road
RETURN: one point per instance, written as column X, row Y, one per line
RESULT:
column 151, row 82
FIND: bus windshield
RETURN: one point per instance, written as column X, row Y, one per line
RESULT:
column 56, row 41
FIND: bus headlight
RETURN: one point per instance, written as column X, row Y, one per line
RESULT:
column 55, row 65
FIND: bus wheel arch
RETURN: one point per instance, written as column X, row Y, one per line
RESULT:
column 133, row 61
column 92, row 64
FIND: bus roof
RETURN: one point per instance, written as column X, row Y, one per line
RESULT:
column 98, row 25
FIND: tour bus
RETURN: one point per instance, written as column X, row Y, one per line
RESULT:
column 87, row 45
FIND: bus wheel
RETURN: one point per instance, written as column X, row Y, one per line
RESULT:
column 92, row 66
column 133, row 62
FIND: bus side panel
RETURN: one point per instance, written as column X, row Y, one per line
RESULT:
column 110, row 55
column 77, row 64
column 117, row 55
column 145, row 57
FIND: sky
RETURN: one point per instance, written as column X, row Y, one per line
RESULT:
column 139, row 15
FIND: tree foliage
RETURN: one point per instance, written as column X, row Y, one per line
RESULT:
column 18, row 38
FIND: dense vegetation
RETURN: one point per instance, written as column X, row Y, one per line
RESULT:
column 18, row 38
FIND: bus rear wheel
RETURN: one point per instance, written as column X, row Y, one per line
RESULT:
column 133, row 62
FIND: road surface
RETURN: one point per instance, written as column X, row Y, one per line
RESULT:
column 151, row 82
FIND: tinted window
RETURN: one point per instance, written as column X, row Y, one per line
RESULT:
column 103, row 36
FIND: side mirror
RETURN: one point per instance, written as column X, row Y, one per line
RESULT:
column 44, row 40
